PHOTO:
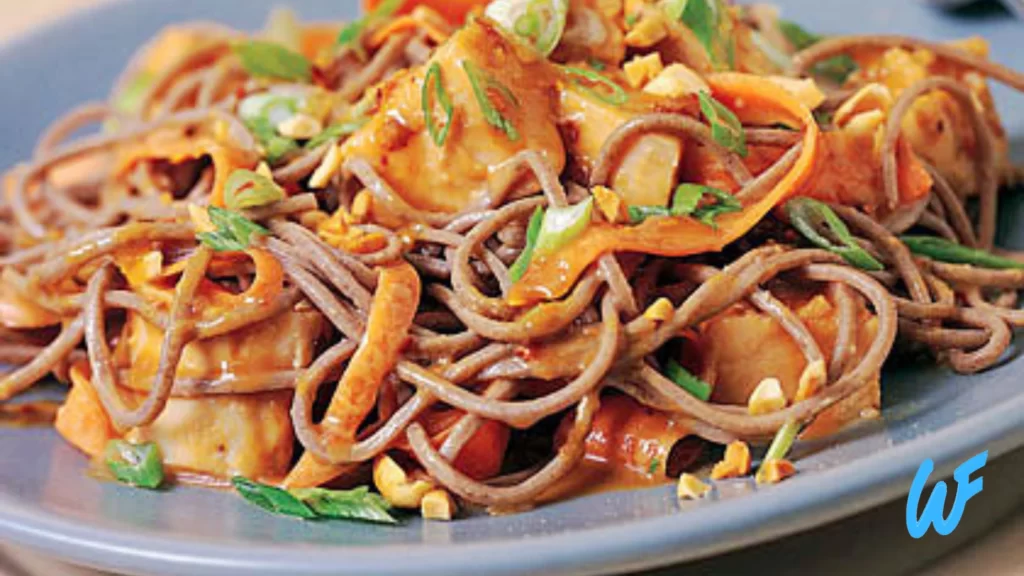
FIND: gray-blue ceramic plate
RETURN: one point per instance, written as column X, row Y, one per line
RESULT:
column 48, row 502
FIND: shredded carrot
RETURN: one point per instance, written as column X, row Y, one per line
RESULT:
column 391, row 315
column 755, row 100
column 266, row 286
column 406, row 23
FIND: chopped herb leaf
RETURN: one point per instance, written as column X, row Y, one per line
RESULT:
column 725, row 203
column 726, row 128
column 272, row 499
column 836, row 68
column 333, row 133
column 945, row 251
column 234, row 231
column 481, row 82
column 358, row 504
column 819, row 224
column 269, row 60
column 614, row 94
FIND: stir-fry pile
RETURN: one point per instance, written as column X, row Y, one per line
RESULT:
column 502, row 253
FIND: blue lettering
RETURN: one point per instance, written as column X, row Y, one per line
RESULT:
column 932, row 515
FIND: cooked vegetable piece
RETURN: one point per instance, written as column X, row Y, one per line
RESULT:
column 433, row 85
column 610, row 92
column 539, row 23
column 272, row 499
column 234, row 231
column 356, row 504
column 483, row 84
column 695, row 386
column 247, row 189
column 815, row 219
column 562, row 225
column 532, row 232
column 945, row 250
column 137, row 464
column 725, row 126
column 269, row 60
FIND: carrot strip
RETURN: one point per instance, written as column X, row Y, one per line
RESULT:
column 391, row 316
column 755, row 100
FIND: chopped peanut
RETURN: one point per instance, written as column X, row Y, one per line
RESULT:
column 648, row 31
column 313, row 219
column 735, row 464
column 660, row 311
column 610, row 204
column 300, row 127
column 811, row 380
column 438, row 505
column 330, row 166
column 872, row 97
column 775, row 471
column 806, row 89
column 641, row 69
column 200, row 218
column 361, row 206
column 768, row 397
column 264, row 170
column 691, row 488
column 675, row 81
column 395, row 485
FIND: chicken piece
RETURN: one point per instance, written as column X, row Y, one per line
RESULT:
column 285, row 342
column 646, row 175
column 936, row 127
column 464, row 173
column 738, row 349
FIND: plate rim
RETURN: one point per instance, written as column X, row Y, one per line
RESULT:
column 630, row 545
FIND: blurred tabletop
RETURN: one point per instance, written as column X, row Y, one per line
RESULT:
column 995, row 553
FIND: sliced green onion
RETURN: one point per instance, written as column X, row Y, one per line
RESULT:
column 836, row 68
column 810, row 217
column 686, row 202
column 247, row 189
column 139, row 465
column 269, row 60
column 522, row 263
column 540, row 23
column 357, row 504
column 945, row 251
column 261, row 114
column 272, row 499
column 333, row 132
column 354, row 30
column 783, row 441
column 726, row 128
column 697, row 388
column 703, row 18
column 129, row 100
column 725, row 204
column 596, row 64
column 234, row 232
column 481, row 81
column 631, row 20
column 653, row 466
column 615, row 95
column 562, row 225
column 434, row 83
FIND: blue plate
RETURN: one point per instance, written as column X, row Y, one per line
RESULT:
column 48, row 502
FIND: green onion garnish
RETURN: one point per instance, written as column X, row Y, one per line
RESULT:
column 703, row 17
column 540, row 23
column 234, row 231
column 836, row 68
column 522, row 263
column 333, row 132
column 726, row 128
column 269, row 60
column 356, row 504
column 316, row 503
column 129, row 101
column 433, row 83
column 815, row 219
column 481, row 81
column 139, row 465
column 686, row 202
column 354, row 30
column 615, row 95
column 783, row 441
column 945, row 251
column 562, row 225
column 687, row 381
column 247, row 189
column 725, row 203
